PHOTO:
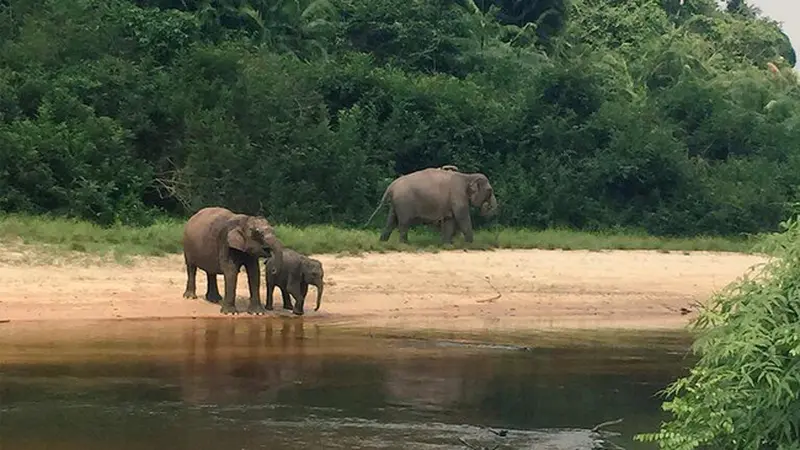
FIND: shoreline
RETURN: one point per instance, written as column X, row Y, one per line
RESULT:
column 451, row 291
column 81, row 341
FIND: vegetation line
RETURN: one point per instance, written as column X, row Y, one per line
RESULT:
column 164, row 237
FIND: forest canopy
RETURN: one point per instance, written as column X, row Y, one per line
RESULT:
column 678, row 118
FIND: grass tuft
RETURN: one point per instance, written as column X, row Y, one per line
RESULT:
column 164, row 237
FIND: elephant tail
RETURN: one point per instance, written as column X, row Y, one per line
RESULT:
column 383, row 199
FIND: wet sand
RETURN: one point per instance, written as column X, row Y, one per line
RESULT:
column 458, row 291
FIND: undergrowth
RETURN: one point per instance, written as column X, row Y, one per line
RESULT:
column 164, row 237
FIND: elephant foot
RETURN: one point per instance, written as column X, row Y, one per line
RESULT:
column 189, row 294
column 268, row 308
column 213, row 298
column 256, row 309
column 228, row 309
column 297, row 312
column 288, row 306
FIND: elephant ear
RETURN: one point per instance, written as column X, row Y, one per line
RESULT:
column 304, row 270
column 273, row 269
column 308, row 269
column 472, row 187
column 236, row 238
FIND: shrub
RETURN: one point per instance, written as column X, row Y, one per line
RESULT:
column 743, row 391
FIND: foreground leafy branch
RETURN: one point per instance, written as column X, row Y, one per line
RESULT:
column 743, row 393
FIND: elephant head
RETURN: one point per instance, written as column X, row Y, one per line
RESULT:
column 481, row 194
column 255, row 235
column 314, row 275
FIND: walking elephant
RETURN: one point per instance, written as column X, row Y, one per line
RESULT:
column 437, row 196
column 293, row 276
column 218, row 240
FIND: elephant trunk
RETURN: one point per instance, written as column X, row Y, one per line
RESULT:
column 489, row 208
column 320, row 288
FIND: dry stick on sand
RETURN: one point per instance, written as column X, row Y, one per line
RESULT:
column 492, row 299
column 693, row 306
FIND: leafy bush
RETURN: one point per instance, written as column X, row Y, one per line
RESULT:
column 742, row 393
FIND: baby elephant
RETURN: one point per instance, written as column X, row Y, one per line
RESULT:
column 293, row 276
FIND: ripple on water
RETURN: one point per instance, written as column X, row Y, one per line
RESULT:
column 354, row 433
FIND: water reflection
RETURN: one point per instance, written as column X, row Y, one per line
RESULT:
column 280, row 383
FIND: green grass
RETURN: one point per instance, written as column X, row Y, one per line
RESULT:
column 164, row 238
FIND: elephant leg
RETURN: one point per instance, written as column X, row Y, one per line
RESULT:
column 403, row 228
column 464, row 223
column 303, row 293
column 296, row 290
column 212, row 293
column 391, row 223
column 287, row 301
column 230, row 271
column 254, row 283
column 448, row 230
column 270, row 289
column 191, row 281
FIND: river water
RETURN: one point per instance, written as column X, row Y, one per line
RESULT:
column 288, row 383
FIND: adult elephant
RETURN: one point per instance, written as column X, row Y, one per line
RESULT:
column 438, row 196
column 218, row 240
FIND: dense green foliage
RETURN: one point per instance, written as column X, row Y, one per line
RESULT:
column 590, row 114
column 742, row 393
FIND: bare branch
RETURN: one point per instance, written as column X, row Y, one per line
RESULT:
column 605, row 424
column 168, row 188
column 169, row 185
column 501, row 433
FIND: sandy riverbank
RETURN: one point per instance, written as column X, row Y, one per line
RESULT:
column 454, row 290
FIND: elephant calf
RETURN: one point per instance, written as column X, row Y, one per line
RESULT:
column 293, row 275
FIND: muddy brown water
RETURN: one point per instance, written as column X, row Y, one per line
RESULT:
column 287, row 383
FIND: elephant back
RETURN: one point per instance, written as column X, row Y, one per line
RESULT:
column 200, row 235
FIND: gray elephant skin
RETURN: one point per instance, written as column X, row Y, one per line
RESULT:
column 436, row 196
column 292, row 276
column 220, row 241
